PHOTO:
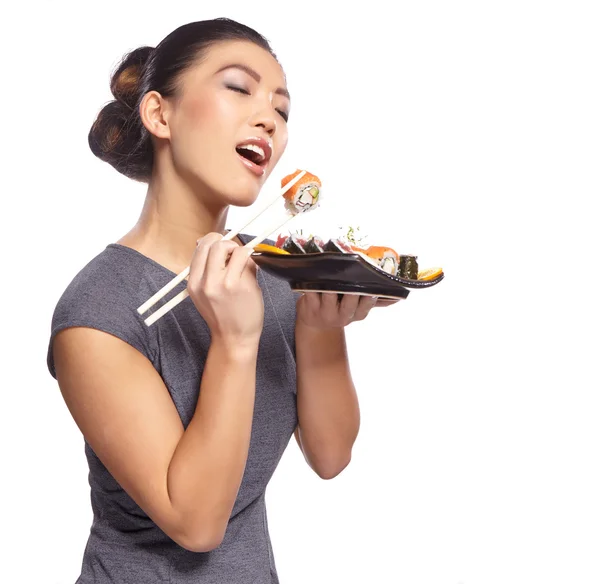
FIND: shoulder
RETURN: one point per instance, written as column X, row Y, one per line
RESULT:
column 104, row 295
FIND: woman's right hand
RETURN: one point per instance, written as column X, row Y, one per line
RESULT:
column 223, row 286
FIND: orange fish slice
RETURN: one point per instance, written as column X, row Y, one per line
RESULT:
column 269, row 249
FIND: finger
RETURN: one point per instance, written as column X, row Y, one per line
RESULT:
column 387, row 301
column 312, row 301
column 203, row 245
column 208, row 239
column 218, row 255
column 364, row 307
column 252, row 265
column 348, row 307
column 239, row 262
column 329, row 305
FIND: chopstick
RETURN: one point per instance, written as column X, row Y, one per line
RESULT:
column 184, row 274
column 184, row 293
column 284, row 190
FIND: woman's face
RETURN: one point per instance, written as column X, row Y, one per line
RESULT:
column 228, row 125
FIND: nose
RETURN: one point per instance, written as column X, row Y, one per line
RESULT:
column 266, row 119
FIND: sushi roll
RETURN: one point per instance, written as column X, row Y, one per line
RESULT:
column 408, row 267
column 304, row 195
column 337, row 246
column 314, row 245
column 294, row 244
column 384, row 257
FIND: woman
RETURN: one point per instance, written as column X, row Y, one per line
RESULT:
column 185, row 421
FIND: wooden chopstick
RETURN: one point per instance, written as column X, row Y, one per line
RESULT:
column 284, row 190
column 185, row 273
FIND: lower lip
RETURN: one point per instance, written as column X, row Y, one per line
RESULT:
column 255, row 168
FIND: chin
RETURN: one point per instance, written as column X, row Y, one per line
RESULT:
column 242, row 193
column 242, row 199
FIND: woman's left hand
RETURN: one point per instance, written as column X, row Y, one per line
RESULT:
column 325, row 311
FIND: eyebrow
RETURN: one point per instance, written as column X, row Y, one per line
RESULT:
column 254, row 75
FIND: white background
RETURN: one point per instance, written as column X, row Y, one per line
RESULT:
column 464, row 132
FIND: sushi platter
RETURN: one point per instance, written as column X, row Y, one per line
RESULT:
column 338, row 266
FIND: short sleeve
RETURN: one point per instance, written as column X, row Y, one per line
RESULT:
column 105, row 305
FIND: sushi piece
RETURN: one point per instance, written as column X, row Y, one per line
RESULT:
column 384, row 257
column 304, row 195
column 337, row 246
column 294, row 244
column 314, row 245
column 408, row 267
column 363, row 254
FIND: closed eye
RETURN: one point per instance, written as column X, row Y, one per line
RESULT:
column 238, row 89
column 243, row 91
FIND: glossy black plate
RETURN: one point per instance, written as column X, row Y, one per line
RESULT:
column 337, row 272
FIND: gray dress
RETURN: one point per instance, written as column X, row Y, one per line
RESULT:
column 125, row 546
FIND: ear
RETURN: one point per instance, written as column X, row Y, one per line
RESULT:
column 153, row 110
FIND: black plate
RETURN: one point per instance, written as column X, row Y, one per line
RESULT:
column 337, row 272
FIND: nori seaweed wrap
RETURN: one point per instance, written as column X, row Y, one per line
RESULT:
column 314, row 245
column 294, row 244
column 337, row 246
column 408, row 267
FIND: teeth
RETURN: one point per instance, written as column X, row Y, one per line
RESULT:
column 254, row 148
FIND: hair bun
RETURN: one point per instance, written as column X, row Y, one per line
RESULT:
column 117, row 137
column 125, row 81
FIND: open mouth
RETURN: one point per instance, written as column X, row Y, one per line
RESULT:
column 256, row 151
column 252, row 153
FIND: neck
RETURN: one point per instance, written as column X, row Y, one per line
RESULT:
column 173, row 218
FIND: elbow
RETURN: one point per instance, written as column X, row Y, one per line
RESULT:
column 201, row 540
column 332, row 469
column 200, row 543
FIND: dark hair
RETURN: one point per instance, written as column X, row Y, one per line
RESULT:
column 118, row 135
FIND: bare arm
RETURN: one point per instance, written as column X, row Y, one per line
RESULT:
column 208, row 464
column 328, row 410
column 186, row 481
